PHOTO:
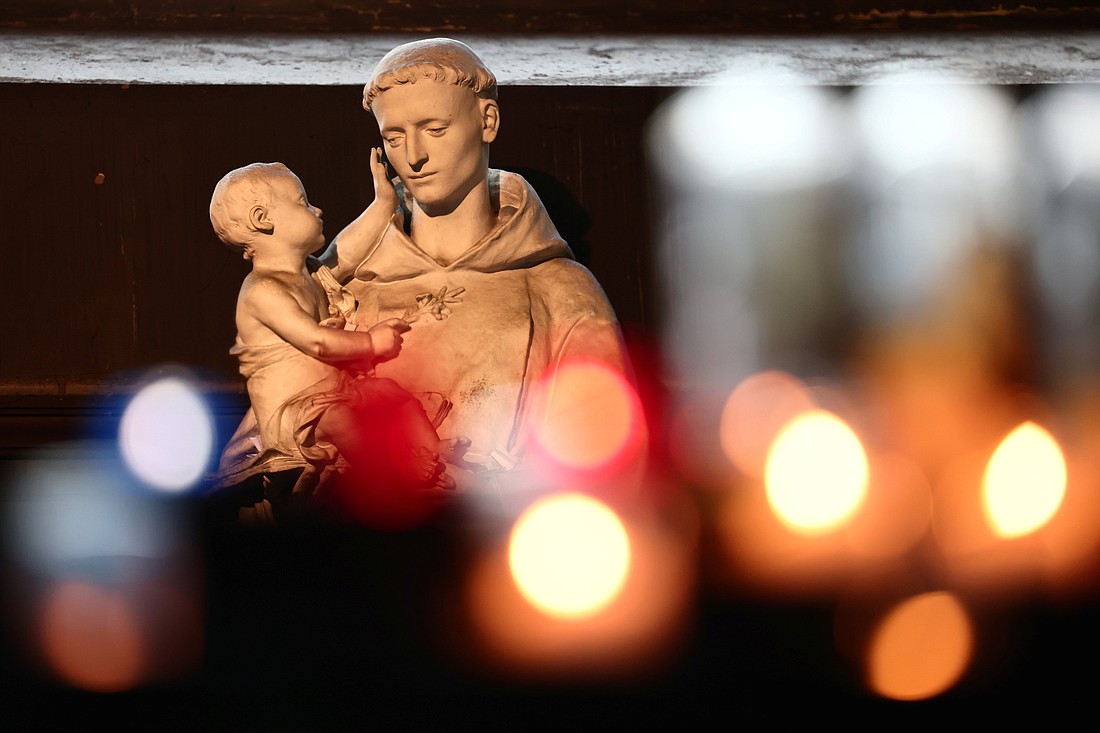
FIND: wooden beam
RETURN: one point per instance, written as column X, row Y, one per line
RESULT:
column 548, row 16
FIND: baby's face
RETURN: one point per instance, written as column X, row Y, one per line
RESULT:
column 293, row 216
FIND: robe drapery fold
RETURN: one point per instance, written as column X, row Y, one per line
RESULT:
column 289, row 392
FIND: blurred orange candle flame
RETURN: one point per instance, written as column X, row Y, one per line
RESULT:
column 921, row 648
column 569, row 555
column 1024, row 483
column 816, row 473
column 755, row 412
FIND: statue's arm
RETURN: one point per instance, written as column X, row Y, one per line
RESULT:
column 357, row 240
column 275, row 308
column 582, row 323
column 572, row 322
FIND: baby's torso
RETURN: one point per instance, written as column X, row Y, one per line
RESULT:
column 276, row 371
column 305, row 290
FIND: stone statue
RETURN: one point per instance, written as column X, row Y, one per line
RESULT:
column 460, row 227
column 308, row 362
column 462, row 270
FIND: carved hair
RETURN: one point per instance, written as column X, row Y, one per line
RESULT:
column 236, row 193
column 438, row 59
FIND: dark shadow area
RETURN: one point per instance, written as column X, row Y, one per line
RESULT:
column 570, row 218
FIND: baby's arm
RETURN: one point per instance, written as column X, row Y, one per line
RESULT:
column 270, row 304
column 355, row 243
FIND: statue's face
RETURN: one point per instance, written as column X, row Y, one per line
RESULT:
column 436, row 137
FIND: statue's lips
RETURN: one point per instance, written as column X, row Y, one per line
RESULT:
column 421, row 176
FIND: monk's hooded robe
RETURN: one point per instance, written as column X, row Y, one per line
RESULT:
column 524, row 308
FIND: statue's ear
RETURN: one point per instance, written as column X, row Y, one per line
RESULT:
column 490, row 120
column 258, row 221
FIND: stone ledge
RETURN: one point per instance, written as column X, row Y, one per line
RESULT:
column 642, row 60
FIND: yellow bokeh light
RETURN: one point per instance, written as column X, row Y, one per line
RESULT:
column 755, row 412
column 1024, row 482
column 569, row 555
column 816, row 473
column 921, row 648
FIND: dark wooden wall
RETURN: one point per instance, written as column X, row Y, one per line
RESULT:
column 112, row 265
column 111, row 262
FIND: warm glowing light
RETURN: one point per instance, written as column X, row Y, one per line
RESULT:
column 638, row 633
column 1025, row 481
column 91, row 638
column 816, row 473
column 166, row 435
column 569, row 555
column 897, row 512
column 592, row 416
column 921, row 648
column 755, row 412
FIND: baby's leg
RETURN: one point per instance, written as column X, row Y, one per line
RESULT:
column 453, row 450
column 387, row 484
column 414, row 446
column 341, row 425
column 419, row 443
column 422, row 431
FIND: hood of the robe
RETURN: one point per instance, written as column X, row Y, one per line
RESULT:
column 523, row 237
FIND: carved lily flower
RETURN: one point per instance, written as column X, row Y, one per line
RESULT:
column 437, row 305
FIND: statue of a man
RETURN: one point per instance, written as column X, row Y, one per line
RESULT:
column 468, row 257
column 527, row 307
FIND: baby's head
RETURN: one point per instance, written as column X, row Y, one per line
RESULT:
column 235, row 197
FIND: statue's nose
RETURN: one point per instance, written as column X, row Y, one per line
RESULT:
column 415, row 154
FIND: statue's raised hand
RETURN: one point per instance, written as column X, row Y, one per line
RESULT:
column 386, row 338
column 385, row 197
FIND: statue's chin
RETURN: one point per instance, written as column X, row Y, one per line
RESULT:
column 433, row 200
column 434, row 207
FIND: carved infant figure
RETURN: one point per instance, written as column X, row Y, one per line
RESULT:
column 308, row 365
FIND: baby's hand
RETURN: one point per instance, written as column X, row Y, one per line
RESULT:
column 386, row 338
column 385, row 196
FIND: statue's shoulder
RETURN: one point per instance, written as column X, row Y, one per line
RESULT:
column 259, row 286
column 568, row 284
column 563, row 268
